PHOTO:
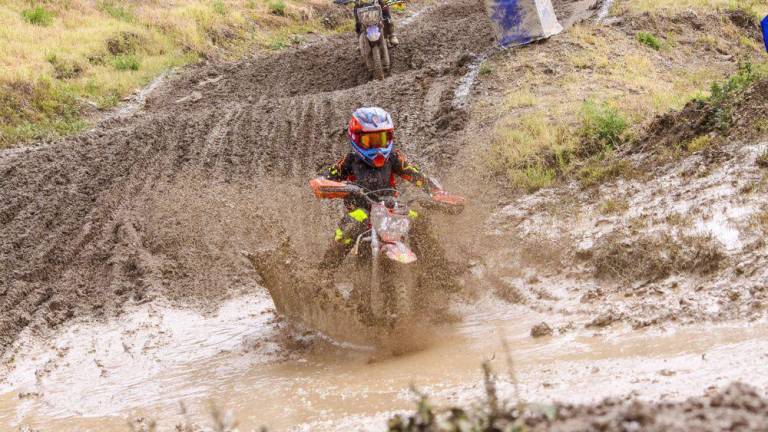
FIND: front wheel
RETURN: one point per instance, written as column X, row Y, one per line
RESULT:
column 377, row 69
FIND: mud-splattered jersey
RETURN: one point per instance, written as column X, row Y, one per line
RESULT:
column 353, row 169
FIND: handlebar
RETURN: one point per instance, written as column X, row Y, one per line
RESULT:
column 329, row 189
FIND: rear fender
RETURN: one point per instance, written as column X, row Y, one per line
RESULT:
column 373, row 33
column 399, row 252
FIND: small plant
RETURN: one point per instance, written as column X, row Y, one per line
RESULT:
column 115, row 10
column 219, row 7
column 38, row 16
column 649, row 40
column 485, row 69
column 602, row 128
column 127, row 62
column 746, row 75
column 277, row 7
column 762, row 160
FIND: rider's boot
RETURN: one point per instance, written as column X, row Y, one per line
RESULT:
column 389, row 30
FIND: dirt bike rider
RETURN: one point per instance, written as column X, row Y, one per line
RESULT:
column 389, row 24
column 373, row 164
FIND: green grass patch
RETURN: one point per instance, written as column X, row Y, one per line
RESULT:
column 219, row 7
column 127, row 62
column 38, row 16
column 116, row 10
column 649, row 40
column 277, row 7
column 485, row 69
column 603, row 128
column 38, row 109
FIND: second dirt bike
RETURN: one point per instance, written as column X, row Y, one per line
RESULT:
column 389, row 258
column 372, row 43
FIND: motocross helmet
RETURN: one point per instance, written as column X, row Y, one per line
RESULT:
column 371, row 134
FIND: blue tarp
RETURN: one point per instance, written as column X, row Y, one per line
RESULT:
column 523, row 21
column 765, row 32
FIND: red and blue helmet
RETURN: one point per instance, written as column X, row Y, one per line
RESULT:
column 371, row 132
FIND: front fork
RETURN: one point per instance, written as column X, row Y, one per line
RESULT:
column 377, row 296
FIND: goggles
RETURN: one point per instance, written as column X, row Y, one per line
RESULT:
column 371, row 140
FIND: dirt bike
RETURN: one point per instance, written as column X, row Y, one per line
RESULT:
column 372, row 44
column 389, row 258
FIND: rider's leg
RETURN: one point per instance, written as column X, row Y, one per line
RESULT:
column 350, row 227
column 358, row 26
column 389, row 26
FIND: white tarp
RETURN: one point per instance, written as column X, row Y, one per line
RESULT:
column 520, row 22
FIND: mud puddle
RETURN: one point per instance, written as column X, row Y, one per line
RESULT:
column 94, row 376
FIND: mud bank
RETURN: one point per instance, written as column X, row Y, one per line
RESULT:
column 677, row 239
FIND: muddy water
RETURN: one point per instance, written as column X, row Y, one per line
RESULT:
column 94, row 376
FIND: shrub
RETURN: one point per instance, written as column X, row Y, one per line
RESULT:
column 602, row 128
column 127, row 62
column 649, row 40
column 38, row 16
column 485, row 69
column 277, row 7
column 746, row 75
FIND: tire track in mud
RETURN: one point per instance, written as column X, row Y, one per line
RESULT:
column 86, row 222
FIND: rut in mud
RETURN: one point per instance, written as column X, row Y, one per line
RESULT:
column 92, row 222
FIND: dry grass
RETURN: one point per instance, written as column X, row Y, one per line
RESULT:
column 653, row 257
column 614, row 206
column 755, row 7
column 540, row 125
column 59, row 58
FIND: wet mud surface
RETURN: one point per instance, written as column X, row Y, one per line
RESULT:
column 267, row 372
column 91, row 223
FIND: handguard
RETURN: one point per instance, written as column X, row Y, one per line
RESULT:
column 328, row 189
column 446, row 198
column 447, row 202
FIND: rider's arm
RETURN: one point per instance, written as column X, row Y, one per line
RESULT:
column 339, row 171
column 411, row 172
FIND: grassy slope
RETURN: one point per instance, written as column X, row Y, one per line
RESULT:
column 61, row 59
column 570, row 101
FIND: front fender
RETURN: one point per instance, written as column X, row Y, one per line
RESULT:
column 398, row 252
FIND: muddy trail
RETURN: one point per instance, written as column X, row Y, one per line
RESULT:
column 151, row 223
column 90, row 223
